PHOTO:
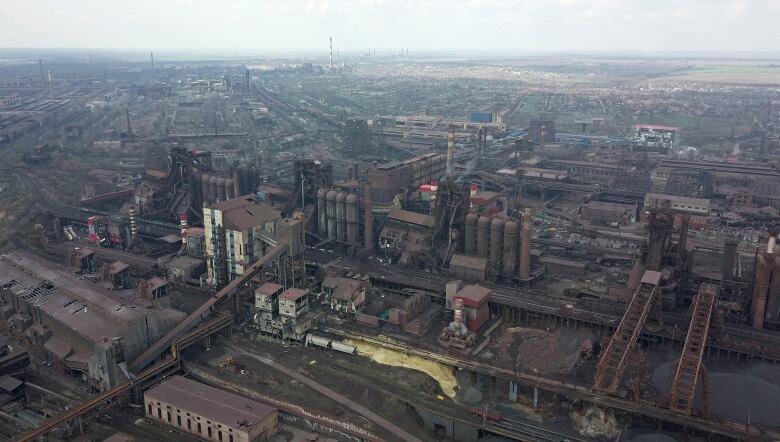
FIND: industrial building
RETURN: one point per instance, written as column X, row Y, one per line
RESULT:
column 388, row 180
column 237, row 232
column 657, row 135
column 83, row 326
column 209, row 413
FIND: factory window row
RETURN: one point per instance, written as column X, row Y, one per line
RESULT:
column 199, row 426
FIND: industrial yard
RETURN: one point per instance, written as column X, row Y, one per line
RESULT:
column 363, row 246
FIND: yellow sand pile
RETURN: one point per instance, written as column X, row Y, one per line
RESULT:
column 439, row 372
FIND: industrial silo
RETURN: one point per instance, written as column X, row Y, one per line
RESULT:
column 341, row 216
column 204, row 192
column 213, row 189
column 470, row 234
column 221, row 189
column 330, row 203
column 511, row 231
column 496, row 242
column 525, row 245
column 229, row 189
column 322, row 220
column 352, row 218
column 483, row 236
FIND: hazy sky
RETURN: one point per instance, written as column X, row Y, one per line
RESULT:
column 282, row 25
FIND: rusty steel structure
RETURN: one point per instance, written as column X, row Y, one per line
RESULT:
column 615, row 357
column 690, row 368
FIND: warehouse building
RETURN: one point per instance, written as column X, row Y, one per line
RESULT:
column 81, row 326
column 209, row 413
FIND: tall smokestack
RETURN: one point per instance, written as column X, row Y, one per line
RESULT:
column 40, row 68
column 151, row 57
column 331, row 53
column 451, row 152
column 525, row 245
column 51, row 88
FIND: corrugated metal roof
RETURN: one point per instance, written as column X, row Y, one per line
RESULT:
column 245, row 212
column 473, row 295
column 407, row 216
column 209, row 402
column 469, row 262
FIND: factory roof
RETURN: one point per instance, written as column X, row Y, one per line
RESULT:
column 9, row 383
column 157, row 282
column 423, row 157
column 170, row 239
column 562, row 262
column 343, row 288
column 703, row 202
column 88, row 309
column 486, row 197
column 209, row 402
column 609, row 206
column 587, row 164
column 269, row 288
column 118, row 266
column 469, row 262
column 245, row 212
column 407, row 216
column 294, row 293
column 118, row 437
column 651, row 277
column 656, row 127
column 473, row 295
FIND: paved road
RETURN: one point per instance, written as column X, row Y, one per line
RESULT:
column 354, row 406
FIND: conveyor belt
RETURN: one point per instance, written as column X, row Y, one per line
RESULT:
column 222, row 321
column 204, row 311
column 689, row 367
column 615, row 357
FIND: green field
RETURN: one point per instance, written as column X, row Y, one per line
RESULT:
column 729, row 73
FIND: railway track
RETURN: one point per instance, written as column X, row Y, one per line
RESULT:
column 526, row 431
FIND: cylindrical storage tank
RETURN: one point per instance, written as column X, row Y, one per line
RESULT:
column 204, row 191
column 483, row 236
column 511, row 230
column 330, row 203
column 229, row 195
column 237, row 182
column 213, row 189
column 322, row 218
column 344, row 348
column 470, row 234
column 341, row 216
column 525, row 245
column 318, row 341
column 221, row 189
column 496, row 242
column 352, row 218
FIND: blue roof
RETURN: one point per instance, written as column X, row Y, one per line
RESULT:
column 480, row 117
